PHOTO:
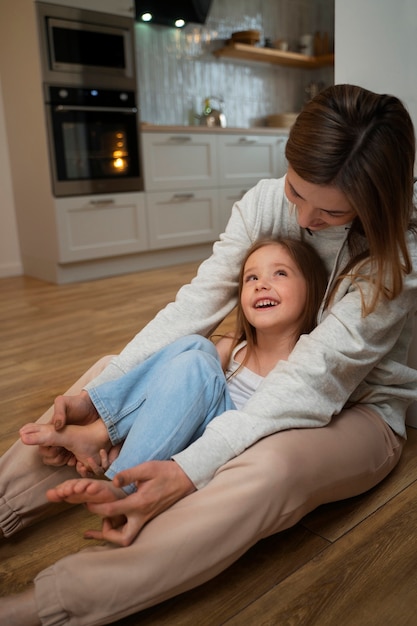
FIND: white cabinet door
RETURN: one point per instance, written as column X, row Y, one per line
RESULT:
column 246, row 159
column 116, row 7
column 92, row 227
column 183, row 218
column 179, row 161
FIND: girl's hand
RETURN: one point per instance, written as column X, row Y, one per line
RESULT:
column 159, row 485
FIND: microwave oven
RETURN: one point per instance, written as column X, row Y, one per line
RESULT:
column 84, row 48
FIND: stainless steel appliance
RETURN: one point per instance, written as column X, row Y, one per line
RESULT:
column 80, row 47
column 93, row 140
column 90, row 92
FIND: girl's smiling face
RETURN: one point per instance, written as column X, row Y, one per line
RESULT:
column 318, row 206
column 274, row 290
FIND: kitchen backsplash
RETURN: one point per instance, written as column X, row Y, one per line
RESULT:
column 177, row 70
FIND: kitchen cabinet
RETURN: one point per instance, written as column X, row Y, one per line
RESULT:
column 116, row 7
column 182, row 218
column 180, row 182
column 179, row 161
column 245, row 52
column 245, row 159
column 192, row 179
column 92, row 227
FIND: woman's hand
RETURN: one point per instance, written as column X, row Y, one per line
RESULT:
column 159, row 485
column 77, row 409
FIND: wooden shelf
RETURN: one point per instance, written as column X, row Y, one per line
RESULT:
column 246, row 52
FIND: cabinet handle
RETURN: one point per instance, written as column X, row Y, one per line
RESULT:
column 180, row 138
column 183, row 196
column 101, row 202
column 246, row 140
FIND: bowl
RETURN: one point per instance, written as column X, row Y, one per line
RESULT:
column 281, row 120
column 250, row 37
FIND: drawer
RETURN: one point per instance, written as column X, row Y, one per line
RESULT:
column 246, row 159
column 178, row 161
column 180, row 219
column 91, row 227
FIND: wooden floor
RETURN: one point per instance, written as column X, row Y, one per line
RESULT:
column 352, row 563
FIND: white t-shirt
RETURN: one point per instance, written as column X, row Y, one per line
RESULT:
column 242, row 384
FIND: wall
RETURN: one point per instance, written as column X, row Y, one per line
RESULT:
column 383, row 57
column 10, row 263
column 177, row 70
column 384, row 36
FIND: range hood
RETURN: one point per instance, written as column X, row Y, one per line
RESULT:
column 167, row 13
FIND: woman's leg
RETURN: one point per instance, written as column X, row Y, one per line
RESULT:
column 24, row 479
column 268, row 488
column 186, row 394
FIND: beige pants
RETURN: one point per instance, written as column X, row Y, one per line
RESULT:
column 266, row 489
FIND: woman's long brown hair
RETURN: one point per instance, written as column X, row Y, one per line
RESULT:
column 363, row 143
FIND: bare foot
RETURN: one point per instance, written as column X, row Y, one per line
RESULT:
column 20, row 609
column 84, row 491
column 85, row 442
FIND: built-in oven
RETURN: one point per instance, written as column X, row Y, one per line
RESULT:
column 93, row 140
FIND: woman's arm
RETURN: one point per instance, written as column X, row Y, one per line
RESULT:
column 202, row 304
column 345, row 357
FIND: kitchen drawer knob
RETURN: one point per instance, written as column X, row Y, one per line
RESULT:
column 101, row 202
column 180, row 138
column 183, row 196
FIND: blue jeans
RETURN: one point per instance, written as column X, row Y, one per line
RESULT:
column 163, row 404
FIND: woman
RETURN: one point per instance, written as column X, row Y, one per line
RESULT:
column 338, row 402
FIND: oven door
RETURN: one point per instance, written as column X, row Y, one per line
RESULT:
column 93, row 149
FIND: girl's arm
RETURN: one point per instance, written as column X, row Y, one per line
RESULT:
column 223, row 347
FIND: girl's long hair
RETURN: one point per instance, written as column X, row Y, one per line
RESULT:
column 363, row 143
column 312, row 268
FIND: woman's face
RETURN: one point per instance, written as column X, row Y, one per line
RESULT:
column 318, row 206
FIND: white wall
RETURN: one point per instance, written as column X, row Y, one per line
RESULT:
column 376, row 47
column 10, row 263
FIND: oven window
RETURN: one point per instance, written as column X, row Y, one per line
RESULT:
column 91, row 146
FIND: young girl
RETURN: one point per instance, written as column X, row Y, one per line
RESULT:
column 165, row 403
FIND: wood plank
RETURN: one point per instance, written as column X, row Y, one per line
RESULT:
column 368, row 577
column 246, row 52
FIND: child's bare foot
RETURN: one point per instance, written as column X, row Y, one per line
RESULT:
column 85, row 442
column 85, row 490
column 19, row 610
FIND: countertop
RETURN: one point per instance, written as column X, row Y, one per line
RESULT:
column 253, row 130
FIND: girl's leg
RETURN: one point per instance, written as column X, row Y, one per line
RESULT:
column 24, row 479
column 189, row 391
column 268, row 488
column 118, row 402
